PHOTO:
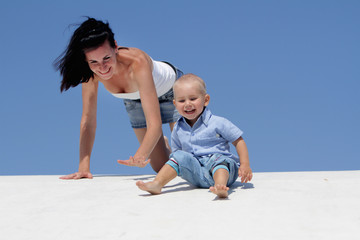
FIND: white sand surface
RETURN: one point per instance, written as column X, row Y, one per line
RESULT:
column 289, row 205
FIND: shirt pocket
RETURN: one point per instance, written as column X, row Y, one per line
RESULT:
column 209, row 142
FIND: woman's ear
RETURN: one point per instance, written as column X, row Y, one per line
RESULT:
column 116, row 47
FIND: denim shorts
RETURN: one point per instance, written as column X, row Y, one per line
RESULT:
column 199, row 171
column 168, row 111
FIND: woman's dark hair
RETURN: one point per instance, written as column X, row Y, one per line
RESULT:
column 72, row 63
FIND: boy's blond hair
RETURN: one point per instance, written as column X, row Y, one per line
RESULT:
column 189, row 77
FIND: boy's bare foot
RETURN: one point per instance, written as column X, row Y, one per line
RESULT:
column 220, row 190
column 151, row 187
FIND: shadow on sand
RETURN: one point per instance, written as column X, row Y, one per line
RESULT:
column 185, row 186
column 234, row 187
column 178, row 187
column 135, row 177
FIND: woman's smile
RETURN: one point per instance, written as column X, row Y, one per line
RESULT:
column 102, row 60
column 105, row 73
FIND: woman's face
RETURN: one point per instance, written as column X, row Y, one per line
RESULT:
column 102, row 60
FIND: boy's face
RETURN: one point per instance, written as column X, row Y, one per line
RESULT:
column 190, row 101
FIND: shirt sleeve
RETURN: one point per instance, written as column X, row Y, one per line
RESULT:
column 175, row 142
column 229, row 131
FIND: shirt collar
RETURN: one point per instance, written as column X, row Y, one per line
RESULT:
column 204, row 117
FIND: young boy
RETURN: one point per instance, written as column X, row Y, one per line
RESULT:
column 200, row 143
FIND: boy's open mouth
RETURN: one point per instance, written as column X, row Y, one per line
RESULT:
column 190, row 111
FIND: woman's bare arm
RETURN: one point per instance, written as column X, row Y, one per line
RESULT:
column 87, row 129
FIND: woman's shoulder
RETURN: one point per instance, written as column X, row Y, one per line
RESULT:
column 130, row 52
column 133, row 56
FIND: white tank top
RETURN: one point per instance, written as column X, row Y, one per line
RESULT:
column 164, row 77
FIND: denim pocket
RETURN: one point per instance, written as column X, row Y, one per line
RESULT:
column 167, row 97
column 129, row 105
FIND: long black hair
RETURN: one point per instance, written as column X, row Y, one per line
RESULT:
column 72, row 63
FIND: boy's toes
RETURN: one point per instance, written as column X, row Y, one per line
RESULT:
column 220, row 190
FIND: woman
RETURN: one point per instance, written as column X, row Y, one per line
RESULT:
column 93, row 56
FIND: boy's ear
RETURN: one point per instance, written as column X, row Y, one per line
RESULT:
column 174, row 101
column 207, row 99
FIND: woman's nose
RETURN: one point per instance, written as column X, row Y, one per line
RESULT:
column 103, row 66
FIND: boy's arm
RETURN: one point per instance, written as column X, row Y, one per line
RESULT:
column 245, row 172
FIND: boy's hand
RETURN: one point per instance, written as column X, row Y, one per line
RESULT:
column 245, row 173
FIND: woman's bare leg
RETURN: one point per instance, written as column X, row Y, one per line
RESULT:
column 172, row 125
column 160, row 154
column 162, row 150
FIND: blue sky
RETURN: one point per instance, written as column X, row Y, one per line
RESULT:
column 286, row 72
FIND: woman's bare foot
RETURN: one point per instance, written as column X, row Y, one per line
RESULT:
column 151, row 187
column 220, row 190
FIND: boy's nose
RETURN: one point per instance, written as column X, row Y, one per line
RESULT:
column 187, row 104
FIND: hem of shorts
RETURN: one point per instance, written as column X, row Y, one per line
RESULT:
column 172, row 120
column 173, row 166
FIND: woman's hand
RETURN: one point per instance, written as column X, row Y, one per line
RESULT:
column 77, row 175
column 135, row 161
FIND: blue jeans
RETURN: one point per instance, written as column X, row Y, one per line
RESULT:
column 199, row 171
column 168, row 111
